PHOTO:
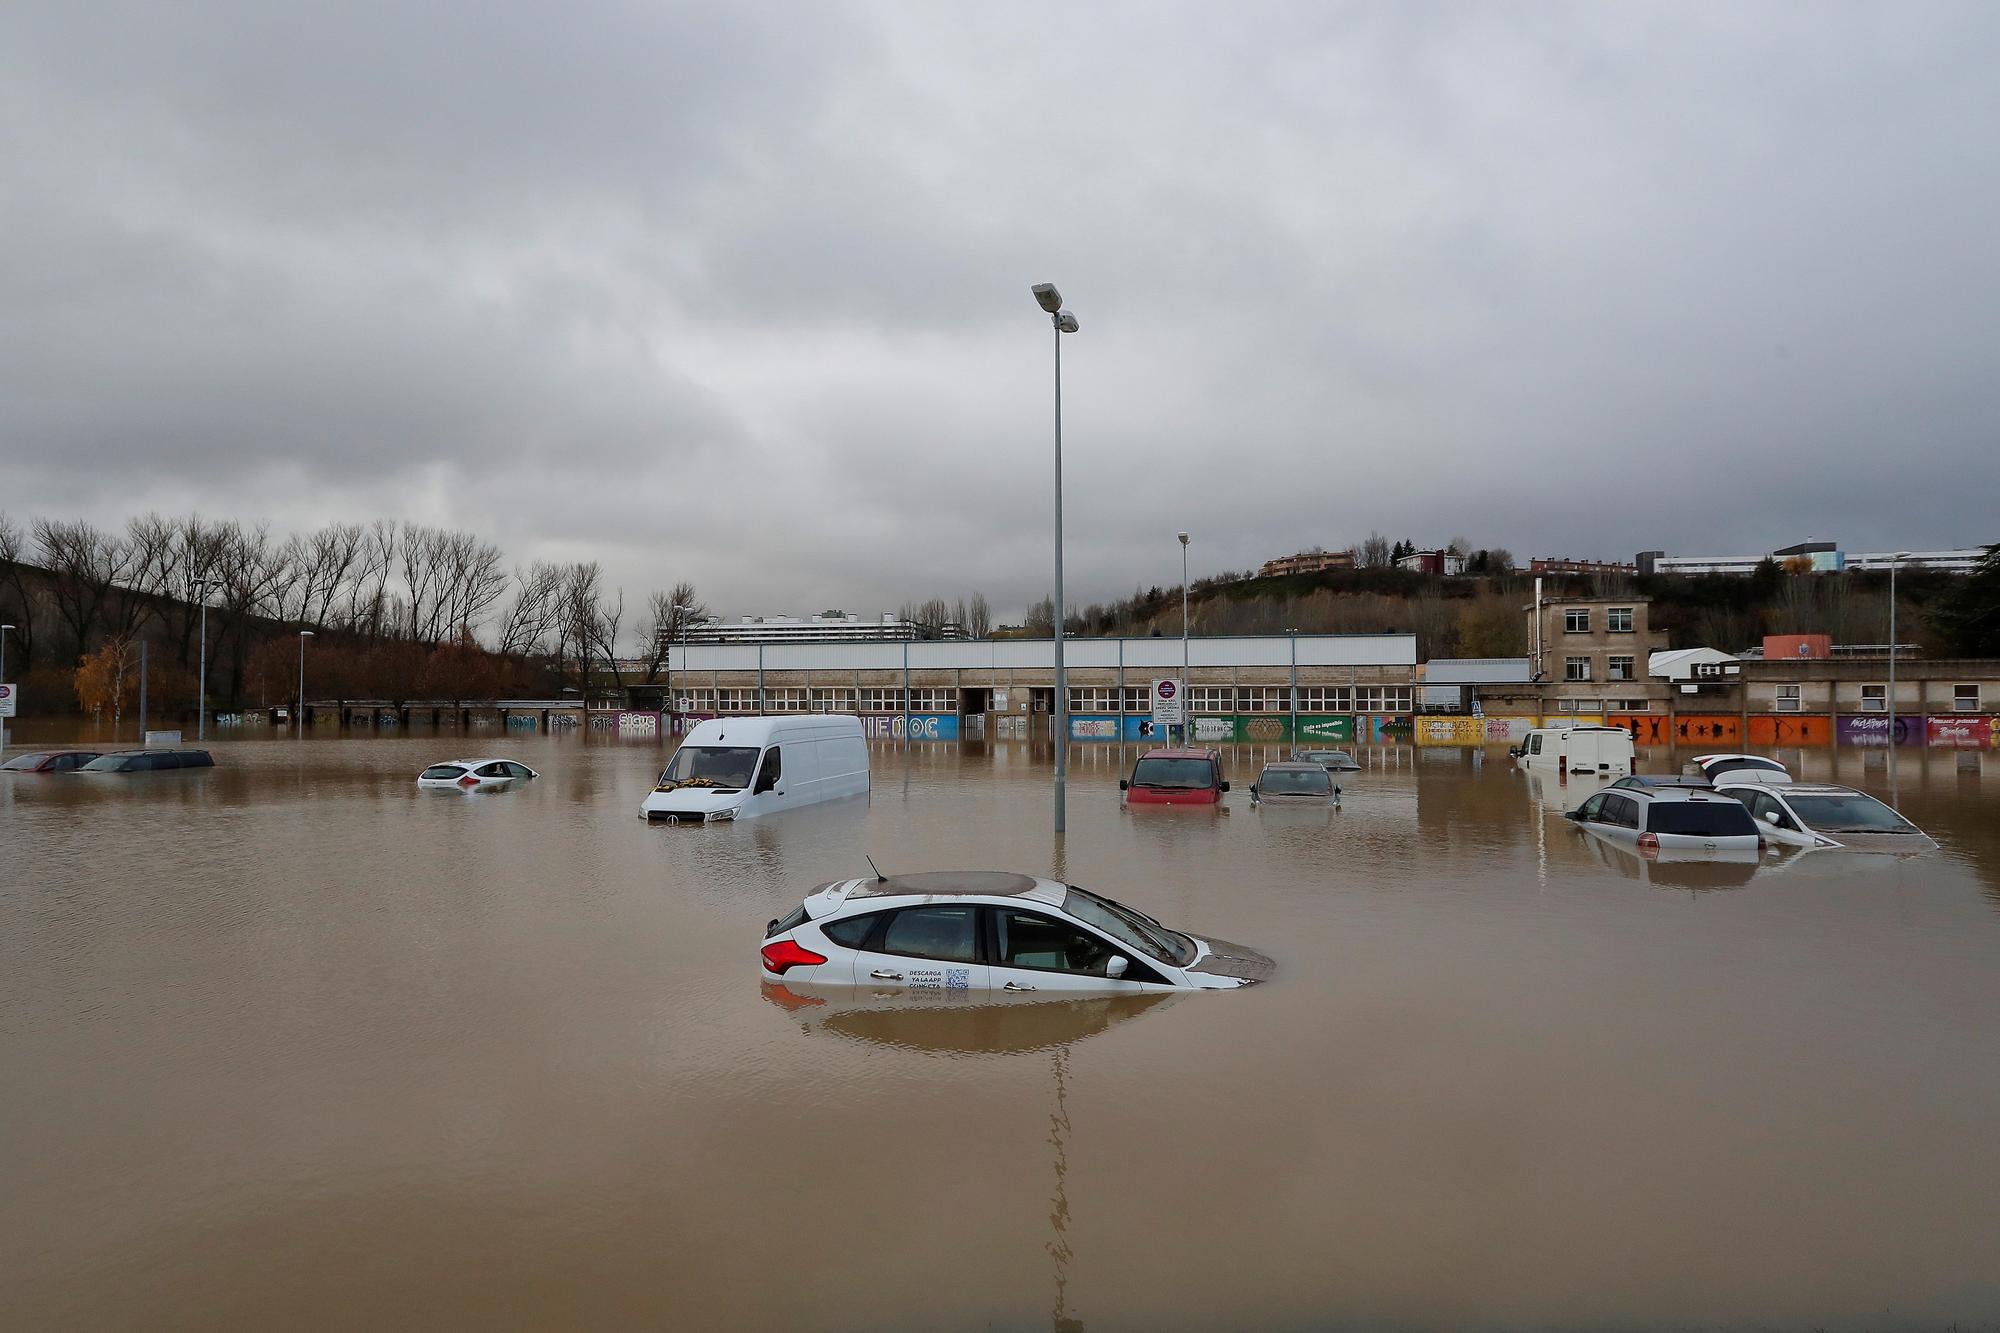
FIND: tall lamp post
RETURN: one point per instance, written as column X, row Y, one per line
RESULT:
column 1050, row 300
column 1186, row 732
column 3, row 650
column 201, row 588
column 1895, row 560
column 304, row 634
column 677, row 634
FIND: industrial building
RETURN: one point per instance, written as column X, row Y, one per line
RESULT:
column 1819, row 557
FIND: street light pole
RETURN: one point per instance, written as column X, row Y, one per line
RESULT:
column 304, row 634
column 3, row 650
column 1895, row 560
column 1187, row 733
column 202, row 588
column 1050, row 300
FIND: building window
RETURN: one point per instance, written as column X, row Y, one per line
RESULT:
column 1577, row 621
column 784, row 700
column 1212, row 698
column 1618, row 620
column 1138, row 698
column 736, row 701
column 1382, row 698
column 1573, row 707
column 832, row 700
column 695, row 701
column 1874, row 698
column 1264, row 699
column 1630, row 705
column 1620, row 668
column 1576, row 668
column 1708, row 670
column 934, row 701
column 879, row 700
column 1325, row 699
column 1789, row 699
column 1965, row 698
column 1093, row 699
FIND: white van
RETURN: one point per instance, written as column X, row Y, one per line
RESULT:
column 740, row 767
column 1566, row 750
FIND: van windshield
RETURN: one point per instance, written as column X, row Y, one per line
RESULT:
column 1180, row 774
column 727, row 768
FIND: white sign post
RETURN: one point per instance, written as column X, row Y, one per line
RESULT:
column 1167, row 705
column 9, row 696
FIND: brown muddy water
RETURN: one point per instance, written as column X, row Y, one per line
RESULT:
column 292, row 1044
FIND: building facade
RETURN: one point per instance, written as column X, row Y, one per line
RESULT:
column 1542, row 564
column 1602, row 644
column 830, row 627
column 1814, row 557
column 1306, row 562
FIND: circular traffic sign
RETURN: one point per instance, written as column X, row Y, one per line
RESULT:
column 1167, row 689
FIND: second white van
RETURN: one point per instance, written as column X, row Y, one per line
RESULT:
column 1565, row 750
column 742, row 767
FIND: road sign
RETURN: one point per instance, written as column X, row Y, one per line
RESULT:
column 9, row 696
column 1167, row 710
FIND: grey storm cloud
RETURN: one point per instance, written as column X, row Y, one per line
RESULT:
column 738, row 293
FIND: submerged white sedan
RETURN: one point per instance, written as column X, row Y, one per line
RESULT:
column 474, row 774
column 955, row 931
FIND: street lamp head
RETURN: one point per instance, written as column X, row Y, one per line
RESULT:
column 1184, row 538
column 1065, row 322
column 305, row 634
column 1902, row 555
column 1047, row 297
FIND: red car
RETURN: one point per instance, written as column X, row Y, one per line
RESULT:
column 1175, row 777
column 48, row 761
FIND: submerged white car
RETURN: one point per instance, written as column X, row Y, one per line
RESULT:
column 1737, row 767
column 952, row 931
column 474, row 774
column 1820, row 814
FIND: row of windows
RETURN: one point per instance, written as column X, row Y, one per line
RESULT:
column 1617, row 619
column 1615, row 668
column 1110, row 699
column 1572, row 707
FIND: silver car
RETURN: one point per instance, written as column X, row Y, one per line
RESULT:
column 1663, row 818
column 1820, row 814
column 1294, row 784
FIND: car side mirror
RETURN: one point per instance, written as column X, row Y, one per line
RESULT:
column 1225, row 785
column 1115, row 967
column 1771, row 818
column 1124, row 785
column 1253, row 789
column 1576, row 815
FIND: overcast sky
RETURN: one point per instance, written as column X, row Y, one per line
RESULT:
column 739, row 293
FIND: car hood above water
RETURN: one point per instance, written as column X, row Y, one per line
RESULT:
column 1239, row 962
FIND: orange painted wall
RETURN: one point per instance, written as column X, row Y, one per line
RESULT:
column 1646, row 728
column 1768, row 730
column 1708, row 729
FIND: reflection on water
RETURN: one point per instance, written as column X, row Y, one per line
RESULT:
column 290, row 1043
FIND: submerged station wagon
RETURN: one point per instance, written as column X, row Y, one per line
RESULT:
column 975, row 931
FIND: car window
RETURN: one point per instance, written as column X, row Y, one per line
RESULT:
column 851, row 931
column 1315, row 782
column 774, row 768
column 949, row 933
column 22, row 762
column 1025, row 939
column 1621, row 810
column 726, row 767
column 1703, row 819
column 65, row 762
column 1534, row 745
column 1849, row 813
column 493, row 770
column 1181, row 774
column 435, row 772
column 515, row 770
column 1593, row 808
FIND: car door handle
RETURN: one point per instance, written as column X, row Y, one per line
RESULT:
column 1015, row 985
column 880, row 975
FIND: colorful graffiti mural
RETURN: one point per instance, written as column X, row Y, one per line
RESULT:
column 1768, row 729
column 1959, row 733
column 1645, row 728
column 1875, row 730
column 1450, row 731
column 1708, row 729
column 910, row 726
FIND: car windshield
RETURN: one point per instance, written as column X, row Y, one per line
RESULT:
column 1849, row 813
column 1702, row 819
column 725, row 767
column 24, row 761
column 1130, row 928
column 1295, row 781
column 110, row 763
column 450, row 771
column 1189, row 774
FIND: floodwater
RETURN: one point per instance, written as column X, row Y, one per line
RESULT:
column 292, row 1044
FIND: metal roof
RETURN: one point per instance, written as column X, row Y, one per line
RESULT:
column 1477, row 671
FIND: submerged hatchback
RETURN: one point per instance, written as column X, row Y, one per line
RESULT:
column 1175, row 777
column 1669, row 818
column 474, row 774
column 1821, row 814
column 982, row 930
column 147, row 761
column 49, row 761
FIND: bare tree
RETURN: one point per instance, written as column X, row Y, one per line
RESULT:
column 84, row 563
column 535, row 611
column 978, row 617
column 1373, row 553
column 668, row 615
